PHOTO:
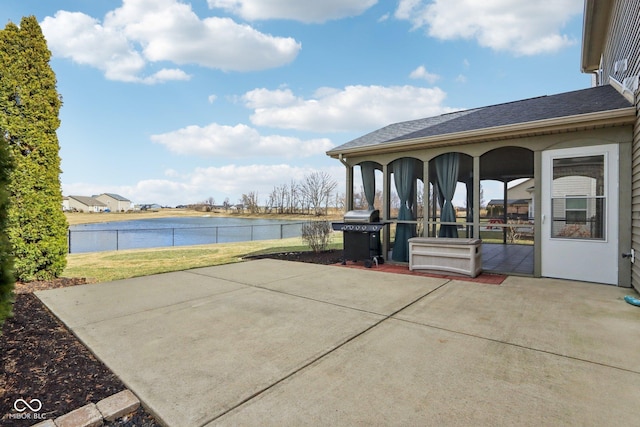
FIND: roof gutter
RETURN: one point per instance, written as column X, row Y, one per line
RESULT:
column 624, row 91
column 594, row 32
column 619, row 117
column 341, row 158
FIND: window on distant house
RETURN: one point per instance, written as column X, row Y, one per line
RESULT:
column 576, row 211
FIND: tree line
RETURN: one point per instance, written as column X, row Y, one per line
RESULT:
column 314, row 195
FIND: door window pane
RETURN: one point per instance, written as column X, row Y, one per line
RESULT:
column 578, row 198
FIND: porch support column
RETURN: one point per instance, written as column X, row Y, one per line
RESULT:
column 349, row 184
column 350, row 188
column 476, row 197
column 505, row 217
column 386, row 208
column 425, row 199
column 537, row 214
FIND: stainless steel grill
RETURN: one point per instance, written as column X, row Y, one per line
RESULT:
column 362, row 216
column 361, row 236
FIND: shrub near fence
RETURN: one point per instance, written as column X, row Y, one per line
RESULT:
column 136, row 238
column 317, row 234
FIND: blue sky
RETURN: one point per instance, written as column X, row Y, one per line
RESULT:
column 176, row 101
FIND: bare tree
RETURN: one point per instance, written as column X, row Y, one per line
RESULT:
column 359, row 199
column 294, row 197
column 340, row 201
column 250, row 202
column 279, row 198
column 317, row 188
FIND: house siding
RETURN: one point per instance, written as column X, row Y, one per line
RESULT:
column 520, row 191
column 635, row 198
column 623, row 43
column 114, row 204
column 86, row 205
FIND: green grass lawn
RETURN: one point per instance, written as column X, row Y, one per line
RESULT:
column 115, row 265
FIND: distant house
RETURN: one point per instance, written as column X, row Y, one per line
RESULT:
column 65, row 204
column 86, row 204
column 115, row 202
column 516, row 208
column 520, row 202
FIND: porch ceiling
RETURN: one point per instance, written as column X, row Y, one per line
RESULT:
column 503, row 164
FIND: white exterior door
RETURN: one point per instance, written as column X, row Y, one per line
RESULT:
column 580, row 214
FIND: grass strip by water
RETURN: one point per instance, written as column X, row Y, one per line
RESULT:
column 116, row 265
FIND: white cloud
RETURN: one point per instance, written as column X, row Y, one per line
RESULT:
column 304, row 11
column 261, row 98
column 422, row 73
column 166, row 75
column 520, row 27
column 81, row 38
column 238, row 141
column 141, row 32
column 461, row 78
column 212, row 98
column 354, row 108
column 218, row 182
column 171, row 173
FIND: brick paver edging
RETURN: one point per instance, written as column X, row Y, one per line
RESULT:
column 93, row 415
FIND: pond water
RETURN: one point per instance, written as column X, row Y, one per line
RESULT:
column 185, row 231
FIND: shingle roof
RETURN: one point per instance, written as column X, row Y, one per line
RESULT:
column 592, row 100
column 114, row 196
column 88, row 201
column 500, row 202
column 391, row 132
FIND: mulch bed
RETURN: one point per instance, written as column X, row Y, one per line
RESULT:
column 329, row 257
column 41, row 359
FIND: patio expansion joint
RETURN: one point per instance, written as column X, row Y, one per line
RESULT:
column 122, row 316
column 244, row 283
column 326, row 353
column 539, row 350
column 263, row 287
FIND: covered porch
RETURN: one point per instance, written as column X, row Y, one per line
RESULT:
column 427, row 176
column 451, row 202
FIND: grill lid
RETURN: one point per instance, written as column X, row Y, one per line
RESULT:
column 362, row 216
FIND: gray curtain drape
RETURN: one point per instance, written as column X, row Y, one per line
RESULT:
column 405, row 180
column 369, row 182
column 447, row 172
column 438, row 200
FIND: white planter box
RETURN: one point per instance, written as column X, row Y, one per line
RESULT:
column 458, row 256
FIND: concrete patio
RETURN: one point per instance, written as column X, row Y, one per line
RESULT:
column 280, row 343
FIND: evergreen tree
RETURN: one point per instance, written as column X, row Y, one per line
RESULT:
column 6, row 260
column 29, row 108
